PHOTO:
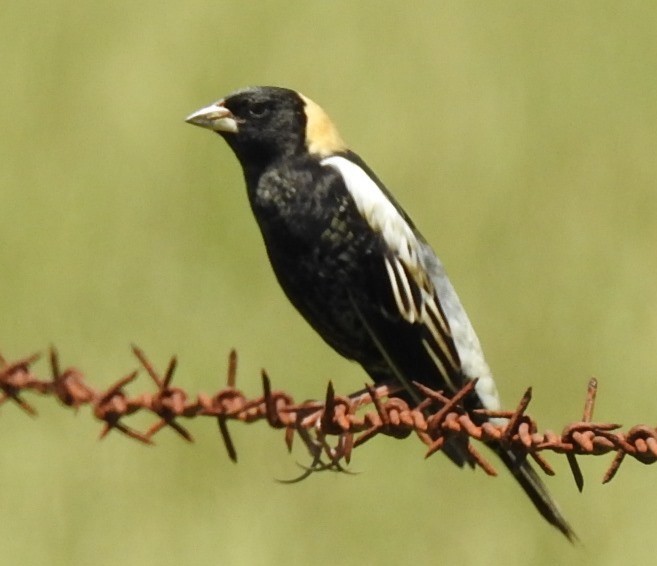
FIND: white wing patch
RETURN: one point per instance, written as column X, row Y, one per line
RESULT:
column 379, row 212
column 410, row 284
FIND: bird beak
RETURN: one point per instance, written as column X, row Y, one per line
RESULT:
column 214, row 117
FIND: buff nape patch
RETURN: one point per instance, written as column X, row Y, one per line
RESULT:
column 322, row 137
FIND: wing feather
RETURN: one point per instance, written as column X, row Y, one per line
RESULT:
column 397, row 288
column 410, row 283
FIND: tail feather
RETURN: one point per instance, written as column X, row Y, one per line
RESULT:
column 456, row 449
column 534, row 487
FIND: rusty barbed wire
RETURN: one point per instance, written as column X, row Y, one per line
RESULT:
column 344, row 418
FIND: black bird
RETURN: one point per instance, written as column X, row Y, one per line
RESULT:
column 352, row 262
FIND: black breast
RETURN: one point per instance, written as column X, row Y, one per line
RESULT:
column 322, row 251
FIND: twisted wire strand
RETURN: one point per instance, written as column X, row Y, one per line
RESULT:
column 330, row 429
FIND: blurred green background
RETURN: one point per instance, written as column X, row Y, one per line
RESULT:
column 520, row 136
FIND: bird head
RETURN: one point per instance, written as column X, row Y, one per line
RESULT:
column 265, row 124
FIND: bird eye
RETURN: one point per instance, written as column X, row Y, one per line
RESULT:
column 258, row 109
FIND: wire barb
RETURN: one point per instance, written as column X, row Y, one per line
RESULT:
column 349, row 420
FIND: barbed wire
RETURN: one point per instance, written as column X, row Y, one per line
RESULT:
column 345, row 419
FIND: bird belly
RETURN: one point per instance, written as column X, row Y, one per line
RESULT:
column 321, row 287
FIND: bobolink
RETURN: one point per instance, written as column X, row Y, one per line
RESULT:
column 352, row 262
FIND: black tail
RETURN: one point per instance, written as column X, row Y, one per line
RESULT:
column 536, row 490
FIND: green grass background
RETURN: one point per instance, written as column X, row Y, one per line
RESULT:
column 520, row 136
